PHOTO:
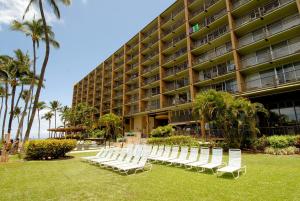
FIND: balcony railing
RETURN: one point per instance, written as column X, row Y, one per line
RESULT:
column 270, row 30
column 151, row 92
column 173, row 14
column 175, row 40
column 132, row 88
column 149, row 44
column 274, row 80
column 177, row 100
column 133, row 76
column 211, row 36
column 211, row 54
column 132, row 66
column 150, row 67
column 228, row 86
column 176, row 69
column 215, row 71
column 261, row 11
column 150, row 55
column 153, row 105
column 274, row 52
column 151, row 31
column 151, row 79
column 177, row 54
column 177, row 84
column 173, row 27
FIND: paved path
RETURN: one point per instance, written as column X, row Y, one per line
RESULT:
column 85, row 151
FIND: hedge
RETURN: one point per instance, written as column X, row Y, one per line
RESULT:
column 48, row 149
column 174, row 140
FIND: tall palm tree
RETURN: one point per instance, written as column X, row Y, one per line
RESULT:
column 54, row 6
column 54, row 107
column 25, row 96
column 17, row 113
column 41, row 106
column 48, row 116
column 19, row 69
column 35, row 30
column 2, row 95
column 64, row 113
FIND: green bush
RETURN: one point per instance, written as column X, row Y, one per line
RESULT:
column 281, row 151
column 261, row 143
column 162, row 131
column 174, row 140
column 282, row 141
column 48, row 149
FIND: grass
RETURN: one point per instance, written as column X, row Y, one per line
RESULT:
column 268, row 178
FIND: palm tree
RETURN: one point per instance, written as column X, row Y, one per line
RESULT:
column 25, row 96
column 48, row 116
column 2, row 95
column 54, row 107
column 41, row 106
column 54, row 6
column 16, row 71
column 64, row 114
column 17, row 113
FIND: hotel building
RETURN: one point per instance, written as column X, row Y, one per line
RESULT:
column 250, row 48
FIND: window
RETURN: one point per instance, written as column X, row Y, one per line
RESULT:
column 288, row 114
column 268, row 78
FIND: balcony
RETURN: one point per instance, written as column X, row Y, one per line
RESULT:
column 132, row 88
column 227, row 86
column 174, row 41
column 150, row 68
column 274, row 52
column 172, row 15
column 132, row 67
column 150, row 32
column 270, row 30
column 176, row 69
column 261, row 11
column 152, row 105
column 133, row 109
column 177, row 84
column 150, row 56
column 150, row 44
column 174, row 56
column 274, row 78
column 173, row 27
column 211, row 36
column 212, row 54
column 178, row 99
column 150, row 93
column 238, row 3
column 151, row 80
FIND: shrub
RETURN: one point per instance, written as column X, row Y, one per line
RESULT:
column 162, row 131
column 48, row 149
column 281, row 151
column 261, row 143
column 98, row 133
column 282, row 141
column 174, row 140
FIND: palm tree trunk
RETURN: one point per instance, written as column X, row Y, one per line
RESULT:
column 203, row 134
column 55, row 119
column 39, row 122
column 5, row 110
column 12, row 107
column 1, row 107
column 20, row 95
column 42, row 75
column 49, row 128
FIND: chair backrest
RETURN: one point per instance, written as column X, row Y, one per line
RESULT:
column 183, row 153
column 154, row 150
column 204, row 154
column 128, row 158
column 136, row 159
column 121, row 156
column 143, row 161
column 106, row 153
column 100, row 152
column 193, row 154
column 217, row 155
column 235, row 158
column 115, row 155
column 167, row 151
column 174, row 152
column 130, row 148
column 160, row 151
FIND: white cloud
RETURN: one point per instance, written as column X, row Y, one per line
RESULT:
column 14, row 10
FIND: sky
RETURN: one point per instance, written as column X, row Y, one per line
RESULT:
column 89, row 31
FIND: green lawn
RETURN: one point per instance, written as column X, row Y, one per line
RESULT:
column 267, row 178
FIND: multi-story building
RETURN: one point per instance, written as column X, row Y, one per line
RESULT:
column 246, row 47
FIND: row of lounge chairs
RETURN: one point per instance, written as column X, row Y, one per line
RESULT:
column 123, row 160
column 201, row 161
column 135, row 157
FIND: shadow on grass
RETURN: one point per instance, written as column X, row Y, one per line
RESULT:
column 50, row 159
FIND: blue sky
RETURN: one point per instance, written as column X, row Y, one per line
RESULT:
column 89, row 31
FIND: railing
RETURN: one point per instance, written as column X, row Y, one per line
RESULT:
column 153, row 105
column 118, row 94
column 150, row 67
column 132, row 56
column 151, row 79
column 151, row 93
column 261, row 11
column 274, row 80
column 132, row 88
column 280, row 130
column 177, row 84
column 175, row 40
column 173, row 14
column 227, row 86
column 118, row 83
column 150, row 44
column 173, row 27
column 151, row 31
column 238, row 3
column 176, row 69
column 177, row 101
column 211, row 54
column 132, row 66
column 215, row 71
column 133, row 110
column 177, row 54
column 150, row 55
column 133, row 76
column 133, row 98
column 182, row 116
column 270, row 30
column 271, row 53
column 211, row 36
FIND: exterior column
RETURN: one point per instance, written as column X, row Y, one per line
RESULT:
column 298, row 5
column 190, row 57
column 160, row 60
column 101, row 95
column 234, row 42
column 139, row 73
column 112, row 83
column 124, row 80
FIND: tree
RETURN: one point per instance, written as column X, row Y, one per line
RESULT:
column 41, row 105
column 54, row 107
column 54, row 6
column 17, row 113
column 2, row 95
column 48, row 116
column 236, row 116
column 112, row 124
column 64, row 114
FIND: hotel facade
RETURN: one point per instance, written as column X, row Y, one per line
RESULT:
column 250, row 48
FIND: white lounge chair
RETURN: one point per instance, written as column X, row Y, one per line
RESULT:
column 234, row 164
column 173, row 155
column 165, row 155
column 182, row 156
column 153, row 151
column 98, row 155
column 134, row 160
column 141, row 165
column 159, row 153
column 125, row 159
column 216, row 160
column 191, row 158
column 112, row 157
column 202, row 160
column 118, row 160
